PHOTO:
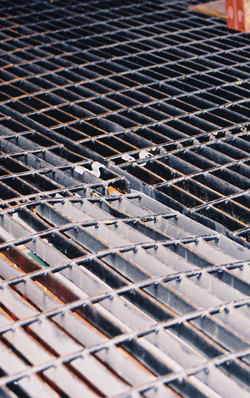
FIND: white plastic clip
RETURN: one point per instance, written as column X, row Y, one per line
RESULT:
column 143, row 155
column 127, row 157
column 80, row 169
column 96, row 166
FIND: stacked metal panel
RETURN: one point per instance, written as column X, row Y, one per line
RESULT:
column 116, row 295
column 122, row 126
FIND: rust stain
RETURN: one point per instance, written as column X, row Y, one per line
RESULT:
column 113, row 191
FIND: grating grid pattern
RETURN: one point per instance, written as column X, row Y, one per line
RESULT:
column 117, row 287
column 123, row 87
column 104, row 290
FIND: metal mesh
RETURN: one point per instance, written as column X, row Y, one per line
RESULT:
column 108, row 296
column 105, row 291
column 133, row 81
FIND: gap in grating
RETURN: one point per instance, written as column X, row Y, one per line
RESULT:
column 124, row 212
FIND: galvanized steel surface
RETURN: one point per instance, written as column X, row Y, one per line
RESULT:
column 104, row 290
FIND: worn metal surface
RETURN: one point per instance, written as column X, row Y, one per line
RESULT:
column 215, row 8
column 104, row 290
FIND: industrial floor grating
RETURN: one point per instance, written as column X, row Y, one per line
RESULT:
column 119, row 84
column 124, row 212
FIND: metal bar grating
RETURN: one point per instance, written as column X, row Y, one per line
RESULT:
column 122, row 126
column 121, row 84
column 124, row 297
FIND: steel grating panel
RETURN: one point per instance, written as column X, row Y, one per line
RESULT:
column 116, row 295
column 121, row 84
column 104, row 290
